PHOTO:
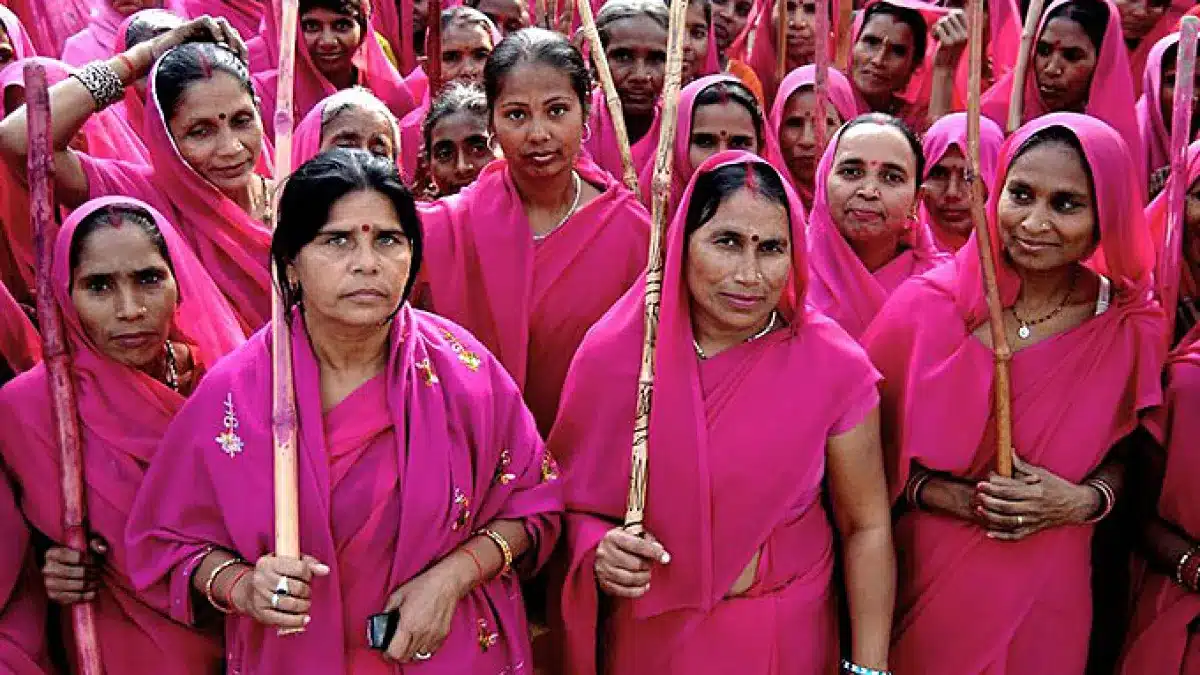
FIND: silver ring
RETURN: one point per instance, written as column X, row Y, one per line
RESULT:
column 1020, row 521
column 422, row 656
column 275, row 600
column 281, row 586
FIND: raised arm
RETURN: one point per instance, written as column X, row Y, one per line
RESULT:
column 952, row 36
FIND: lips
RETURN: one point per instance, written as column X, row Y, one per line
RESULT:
column 742, row 302
column 864, row 215
column 230, row 172
column 135, row 340
column 1032, row 247
column 365, row 295
column 541, row 157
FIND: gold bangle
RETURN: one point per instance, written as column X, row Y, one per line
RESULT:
column 499, row 540
column 212, row 579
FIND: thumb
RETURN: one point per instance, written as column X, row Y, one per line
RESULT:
column 318, row 568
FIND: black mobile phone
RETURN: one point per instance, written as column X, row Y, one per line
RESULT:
column 381, row 628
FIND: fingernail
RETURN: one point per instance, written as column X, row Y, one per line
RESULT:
column 666, row 558
column 307, row 619
column 321, row 569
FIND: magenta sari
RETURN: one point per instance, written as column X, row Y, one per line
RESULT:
column 20, row 344
column 1140, row 55
column 99, row 39
column 49, row 30
column 244, row 15
column 737, row 469
column 602, row 145
column 22, row 598
column 123, row 415
column 1019, row 608
column 17, row 35
column 1155, row 134
column 531, row 302
column 392, row 479
column 951, row 131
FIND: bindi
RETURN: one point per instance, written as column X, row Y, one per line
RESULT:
column 222, row 116
column 366, row 228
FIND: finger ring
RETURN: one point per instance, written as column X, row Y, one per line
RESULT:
column 1020, row 521
column 422, row 656
column 275, row 600
column 281, row 586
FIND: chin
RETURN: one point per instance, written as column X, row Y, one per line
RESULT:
column 229, row 185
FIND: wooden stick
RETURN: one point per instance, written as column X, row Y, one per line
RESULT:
column 781, row 34
column 821, row 83
column 636, row 507
column 54, row 350
column 600, row 59
column 1177, row 186
column 1002, row 388
column 433, row 48
column 1016, row 103
column 845, row 34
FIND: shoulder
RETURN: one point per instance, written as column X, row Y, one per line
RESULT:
column 456, row 346
column 822, row 345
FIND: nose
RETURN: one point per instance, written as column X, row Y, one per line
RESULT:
column 808, row 135
column 327, row 38
column 878, row 54
column 365, row 261
column 129, row 306
column 228, row 142
column 1054, row 65
column 462, row 167
column 957, row 187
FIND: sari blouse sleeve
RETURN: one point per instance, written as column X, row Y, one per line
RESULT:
column 107, row 177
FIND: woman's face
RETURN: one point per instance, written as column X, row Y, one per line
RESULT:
column 695, row 42
column 538, row 119
column 947, row 194
column 884, row 57
column 718, row 127
column 637, row 56
column 218, row 131
column 1045, row 213
column 509, row 16
column 1064, row 62
column 729, row 20
column 738, row 262
column 459, row 149
column 127, row 7
column 354, row 272
column 872, row 188
column 1139, row 16
column 331, row 40
column 1166, row 96
column 801, row 35
column 125, row 295
column 798, row 134
column 361, row 128
column 465, row 51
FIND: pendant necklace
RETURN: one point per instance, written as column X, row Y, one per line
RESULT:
column 1025, row 328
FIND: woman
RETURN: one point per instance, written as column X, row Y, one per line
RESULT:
column 738, row 573
column 1155, row 110
column 351, row 118
column 141, row 27
column 801, row 42
column 946, row 190
column 402, row 24
column 543, row 243
column 1143, row 24
column 634, row 35
column 206, row 148
column 99, row 39
column 699, row 44
column 458, row 142
column 1088, row 356
column 22, row 603
column 143, row 323
column 417, row 462
column 15, row 43
column 793, row 124
column 733, row 22
column 509, row 16
column 864, row 235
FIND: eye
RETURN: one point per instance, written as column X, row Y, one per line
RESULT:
column 871, row 41
column 381, row 149
column 657, row 57
column 242, row 121
column 1067, row 204
column 450, row 57
column 482, row 54
column 391, row 239
column 199, row 131
column 338, row 240
column 558, row 110
column 150, row 277
column 343, row 25
column 939, row 173
column 773, row 247
column 1019, row 194
column 850, row 172
column 310, row 26
column 703, row 140
column 893, row 177
column 515, row 115
column 1044, row 49
column 98, row 285
column 1074, row 55
column 743, row 143
column 726, row 241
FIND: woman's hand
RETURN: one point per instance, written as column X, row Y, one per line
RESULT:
column 201, row 29
column 253, row 595
column 1033, row 500
column 623, row 563
column 71, row 576
column 426, row 605
column 952, row 35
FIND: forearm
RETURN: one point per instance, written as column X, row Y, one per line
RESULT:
column 227, row 568
column 940, row 95
column 1164, row 546
column 947, row 495
column 870, row 569
column 480, row 559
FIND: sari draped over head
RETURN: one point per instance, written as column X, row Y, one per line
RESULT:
column 602, row 145
column 1155, row 132
column 123, row 414
column 22, row 598
column 244, row 15
column 531, row 301
column 234, row 247
column 306, row 144
column 1139, row 56
column 1156, row 223
column 133, row 108
column 1003, row 46
column 18, row 37
column 951, row 131
column 49, row 31
column 839, row 94
column 99, row 39
column 758, row 51
column 841, row 286
column 20, row 343
column 1074, row 396
column 738, row 469
column 393, row 19
column 391, row 480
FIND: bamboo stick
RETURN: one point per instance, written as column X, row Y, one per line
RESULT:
column 433, row 48
column 821, row 83
column 600, row 59
column 1181, row 132
column 844, row 34
column 54, row 350
column 1016, row 103
column 1002, row 388
column 781, row 35
column 636, row 507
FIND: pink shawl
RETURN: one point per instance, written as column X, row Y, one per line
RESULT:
column 48, row 30
column 746, row 461
column 20, row 344
column 1155, row 135
column 1139, row 56
column 453, row 449
column 841, row 286
column 123, row 414
column 307, row 141
column 243, row 15
column 234, row 248
column 133, row 108
column 602, row 145
column 22, row 600
column 763, row 56
column 951, row 131
column 1074, row 396
column 17, row 35
column 1004, row 43
column 393, row 19
column 531, row 302
column 99, row 39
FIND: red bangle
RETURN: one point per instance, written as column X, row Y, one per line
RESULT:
column 478, row 566
column 232, row 587
column 128, row 65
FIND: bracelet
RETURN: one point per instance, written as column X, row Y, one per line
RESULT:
column 1189, row 569
column 212, row 578
column 128, row 65
column 851, row 667
column 505, row 549
column 478, row 566
column 912, row 491
column 102, row 82
column 233, row 587
column 1107, row 496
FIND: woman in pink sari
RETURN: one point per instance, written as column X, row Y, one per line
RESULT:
column 99, row 39
column 22, row 602
column 946, row 194
column 423, row 483
column 738, row 575
column 207, row 152
column 864, row 236
column 49, row 31
column 1155, row 109
column 458, row 141
column 793, row 124
column 402, row 23
column 800, row 45
column 143, row 322
column 141, row 27
column 1013, row 556
column 20, row 344
column 1143, row 24
column 14, row 41
column 351, row 118
column 544, row 242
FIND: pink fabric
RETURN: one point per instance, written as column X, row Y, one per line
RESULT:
column 234, row 247
column 133, row 108
column 602, row 146
column 243, row 15
column 1004, row 44
column 412, row 138
column 393, row 19
column 737, row 469
column 20, row 344
column 22, row 599
column 1156, row 223
column 306, row 143
column 841, row 286
column 1074, row 396
column 22, row 44
column 99, row 39
column 1155, row 135
column 531, row 302
column 764, row 59
column 123, row 414
column 951, row 131
column 378, row 479
column 50, row 30
column 1139, row 56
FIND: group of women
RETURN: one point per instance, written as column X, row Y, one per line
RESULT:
column 461, row 263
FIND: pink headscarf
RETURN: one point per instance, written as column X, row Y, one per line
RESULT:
column 602, row 145
column 244, row 15
column 764, row 57
column 49, row 30
column 1139, row 56
column 307, row 141
column 133, row 108
column 99, row 39
column 951, row 131
column 842, row 287
column 1156, row 137
column 22, row 598
column 22, row 44
column 20, row 344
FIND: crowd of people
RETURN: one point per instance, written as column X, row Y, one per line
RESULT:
column 461, row 259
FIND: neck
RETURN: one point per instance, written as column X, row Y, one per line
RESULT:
column 638, row 126
column 883, row 102
column 1041, row 288
column 714, row 338
column 552, row 194
column 244, row 196
column 349, row 350
column 876, row 253
column 342, row 79
column 157, row 367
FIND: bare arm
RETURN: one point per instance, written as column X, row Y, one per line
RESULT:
column 1163, row 543
column 952, row 37
column 860, row 508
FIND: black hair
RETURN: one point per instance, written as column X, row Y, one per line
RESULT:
column 713, row 188
column 722, row 92
column 191, row 62
column 467, row 16
column 540, row 46
column 112, row 216
column 617, row 10
column 355, row 9
column 455, row 98
column 1061, row 135
column 310, row 193
column 886, row 120
column 149, row 24
column 912, row 17
column 1091, row 15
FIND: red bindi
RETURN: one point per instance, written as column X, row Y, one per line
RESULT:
column 366, row 228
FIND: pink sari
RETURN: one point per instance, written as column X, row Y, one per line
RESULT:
column 99, row 39
column 306, row 143
column 17, row 35
column 22, row 599
column 244, row 15
column 393, row 19
column 761, row 54
column 20, row 344
column 841, row 286
column 392, row 479
column 49, row 30
column 738, row 468
column 123, row 415
column 1074, row 396
column 531, row 302
column 1004, row 44
column 234, row 248
column 602, row 145
column 948, row 132
column 1140, row 56
column 1155, row 135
